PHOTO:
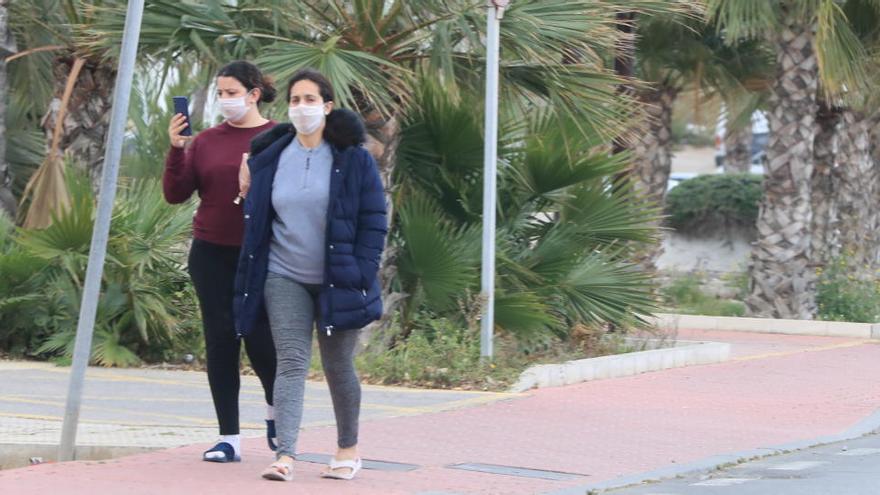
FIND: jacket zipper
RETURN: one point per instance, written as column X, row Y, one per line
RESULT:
column 308, row 167
column 334, row 170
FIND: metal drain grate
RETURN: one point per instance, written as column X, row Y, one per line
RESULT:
column 368, row 464
column 517, row 471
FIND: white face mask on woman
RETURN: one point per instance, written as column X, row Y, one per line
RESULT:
column 234, row 109
column 306, row 118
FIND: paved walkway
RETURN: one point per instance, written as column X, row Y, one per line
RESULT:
column 157, row 408
column 776, row 389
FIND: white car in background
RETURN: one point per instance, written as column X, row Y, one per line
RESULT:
column 760, row 136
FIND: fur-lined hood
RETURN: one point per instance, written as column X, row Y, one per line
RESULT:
column 344, row 128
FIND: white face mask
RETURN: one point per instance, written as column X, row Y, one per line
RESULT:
column 306, row 118
column 233, row 109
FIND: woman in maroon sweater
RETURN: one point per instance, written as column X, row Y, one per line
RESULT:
column 210, row 166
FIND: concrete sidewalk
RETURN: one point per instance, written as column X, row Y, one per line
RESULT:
column 129, row 411
column 777, row 389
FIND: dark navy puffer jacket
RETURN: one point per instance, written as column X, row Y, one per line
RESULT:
column 356, row 228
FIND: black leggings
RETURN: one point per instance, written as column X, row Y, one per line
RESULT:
column 212, row 268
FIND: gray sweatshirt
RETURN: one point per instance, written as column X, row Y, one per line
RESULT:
column 300, row 195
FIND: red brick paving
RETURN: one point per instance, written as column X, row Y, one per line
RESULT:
column 777, row 389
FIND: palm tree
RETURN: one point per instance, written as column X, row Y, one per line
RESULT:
column 825, row 230
column 858, row 189
column 565, row 238
column 52, row 25
column 856, row 174
column 812, row 41
column 625, row 67
column 64, row 88
column 7, row 201
column 674, row 54
column 738, row 146
column 374, row 51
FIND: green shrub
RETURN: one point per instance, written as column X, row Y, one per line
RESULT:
column 146, row 302
column 437, row 353
column 843, row 297
column 715, row 201
column 21, row 304
column 565, row 240
column 442, row 353
column 684, row 295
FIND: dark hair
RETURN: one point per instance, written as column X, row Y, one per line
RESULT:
column 324, row 86
column 250, row 77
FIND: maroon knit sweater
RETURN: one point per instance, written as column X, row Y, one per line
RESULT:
column 210, row 166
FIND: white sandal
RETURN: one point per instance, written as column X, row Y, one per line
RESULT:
column 354, row 465
column 279, row 471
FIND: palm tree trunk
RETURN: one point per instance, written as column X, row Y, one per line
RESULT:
column 857, row 192
column 782, row 278
column 383, row 138
column 825, row 243
column 7, row 47
column 652, row 156
column 738, row 144
column 625, row 65
column 874, row 151
column 88, row 114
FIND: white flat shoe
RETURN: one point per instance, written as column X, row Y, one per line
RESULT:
column 354, row 465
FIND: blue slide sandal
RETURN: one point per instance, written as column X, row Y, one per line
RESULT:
column 224, row 448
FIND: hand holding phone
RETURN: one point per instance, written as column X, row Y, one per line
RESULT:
column 181, row 106
column 179, row 131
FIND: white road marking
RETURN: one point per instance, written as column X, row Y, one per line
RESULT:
column 797, row 466
column 856, row 452
column 724, row 482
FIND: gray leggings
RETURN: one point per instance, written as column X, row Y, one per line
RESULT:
column 292, row 310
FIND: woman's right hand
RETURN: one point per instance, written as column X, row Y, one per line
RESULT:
column 175, row 127
column 244, row 176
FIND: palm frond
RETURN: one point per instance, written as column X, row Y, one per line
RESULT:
column 439, row 260
column 606, row 216
column 109, row 348
column 358, row 77
column 840, row 52
column 70, row 231
column 524, row 314
column 744, row 18
column 600, row 289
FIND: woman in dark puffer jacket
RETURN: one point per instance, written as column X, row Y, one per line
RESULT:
column 315, row 227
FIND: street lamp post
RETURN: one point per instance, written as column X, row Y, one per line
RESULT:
column 97, row 253
column 490, row 163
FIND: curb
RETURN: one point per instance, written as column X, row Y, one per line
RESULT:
column 18, row 455
column 667, row 321
column 621, row 365
column 867, row 426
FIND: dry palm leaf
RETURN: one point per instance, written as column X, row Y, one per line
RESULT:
column 47, row 187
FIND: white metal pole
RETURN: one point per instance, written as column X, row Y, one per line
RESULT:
column 112, row 154
column 490, row 162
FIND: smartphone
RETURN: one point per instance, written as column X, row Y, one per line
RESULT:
column 181, row 105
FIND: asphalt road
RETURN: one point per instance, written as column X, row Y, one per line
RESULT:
column 846, row 468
